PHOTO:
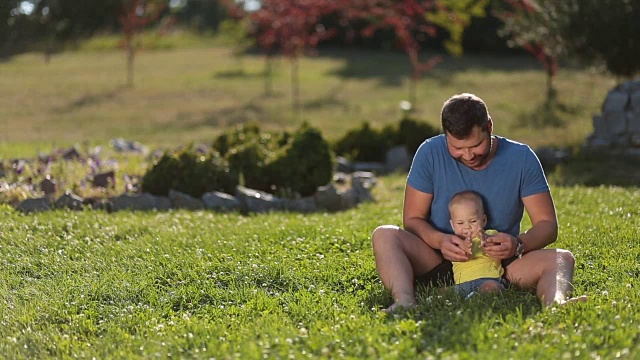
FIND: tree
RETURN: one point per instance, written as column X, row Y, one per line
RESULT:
column 537, row 26
column 292, row 27
column 26, row 24
column 233, row 31
column 135, row 16
column 605, row 32
column 415, row 21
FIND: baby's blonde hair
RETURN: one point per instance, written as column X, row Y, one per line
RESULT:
column 467, row 195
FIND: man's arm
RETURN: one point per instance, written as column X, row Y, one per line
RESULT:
column 544, row 229
column 417, row 206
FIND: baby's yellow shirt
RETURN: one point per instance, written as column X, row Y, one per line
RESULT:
column 481, row 266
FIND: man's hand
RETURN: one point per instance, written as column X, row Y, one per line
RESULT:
column 500, row 246
column 454, row 248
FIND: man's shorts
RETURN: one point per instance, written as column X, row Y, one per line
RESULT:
column 442, row 275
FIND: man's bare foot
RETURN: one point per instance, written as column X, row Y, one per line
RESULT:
column 396, row 307
column 573, row 300
column 577, row 299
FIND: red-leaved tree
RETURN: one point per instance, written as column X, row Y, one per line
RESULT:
column 136, row 14
column 535, row 27
column 414, row 22
column 292, row 28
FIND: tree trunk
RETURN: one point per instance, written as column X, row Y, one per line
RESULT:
column 413, row 90
column 295, row 90
column 268, row 75
column 130, row 58
column 415, row 76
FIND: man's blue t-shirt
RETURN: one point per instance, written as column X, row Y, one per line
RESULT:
column 515, row 172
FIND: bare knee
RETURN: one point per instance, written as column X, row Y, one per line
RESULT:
column 565, row 258
column 383, row 235
column 490, row 287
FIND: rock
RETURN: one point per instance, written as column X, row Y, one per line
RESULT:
column 376, row 167
column 35, row 205
column 618, row 127
column 220, row 201
column 184, row 201
column 397, row 159
column 122, row 145
column 257, row 201
column 69, row 201
column 105, row 180
column 71, row 154
column 305, row 204
column 48, row 186
column 143, row 202
column 616, row 101
column 343, row 165
column 341, row 178
column 98, row 203
column 551, row 157
column 366, row 178
column 328, row 198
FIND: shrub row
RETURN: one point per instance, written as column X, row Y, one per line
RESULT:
column 278, row 163
column 368, row 144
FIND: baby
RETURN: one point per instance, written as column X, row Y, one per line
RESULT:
column 480, row 273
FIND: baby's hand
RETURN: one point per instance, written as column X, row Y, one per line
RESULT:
column 485, row 238
column 468, row 246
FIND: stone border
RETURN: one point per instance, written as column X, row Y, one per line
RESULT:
column 327, row 198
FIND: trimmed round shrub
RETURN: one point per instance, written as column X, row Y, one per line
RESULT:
column 162, row 176
column 412, row 133
column 248, row 161
column 363, row 144
column 189, row 172
column 304, row 164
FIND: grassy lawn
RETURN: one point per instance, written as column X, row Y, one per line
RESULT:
column 191, row 94
column 199, row 284
column 204, row 285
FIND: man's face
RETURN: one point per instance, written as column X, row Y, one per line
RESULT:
column 474, row 150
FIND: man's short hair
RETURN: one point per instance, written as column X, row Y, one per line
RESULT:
column 461, row 113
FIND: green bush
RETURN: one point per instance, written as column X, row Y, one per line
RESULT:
column 367, row 144
column 276, row 163
column 303, row 164
column 162, row 176
column 190, row 173
column 411, row 133
column 249, row 161
column 201, row 174
column 363, row 144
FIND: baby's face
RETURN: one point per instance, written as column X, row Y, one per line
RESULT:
column 467, row 220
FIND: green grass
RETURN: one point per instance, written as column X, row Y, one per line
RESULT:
column 185, row 284
column 191, row 94
column 201, row 285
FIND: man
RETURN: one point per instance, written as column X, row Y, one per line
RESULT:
column 509, row 178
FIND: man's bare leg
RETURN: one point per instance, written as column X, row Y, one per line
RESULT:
column 549, row 271
column 400, row 256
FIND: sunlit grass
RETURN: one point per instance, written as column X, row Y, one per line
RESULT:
column 191, row 94
column 200, row 285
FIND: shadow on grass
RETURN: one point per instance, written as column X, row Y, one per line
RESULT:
column 599, row 168
column 447, row 320
column 331, row 98
column 548, row 113
column 392, row 67
column 92, row 99
column 251, row 110
column 236, row 74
